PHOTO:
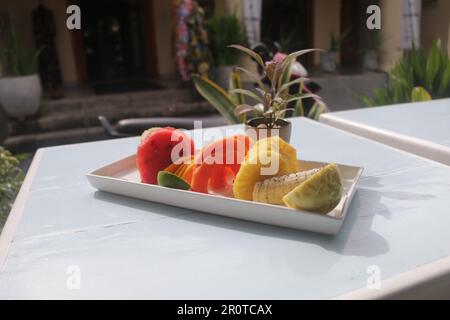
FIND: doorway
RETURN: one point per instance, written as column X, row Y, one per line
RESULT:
column 113, row 40
column 289, row 22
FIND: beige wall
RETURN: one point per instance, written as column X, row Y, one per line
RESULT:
column 326, row 21
column 391, row 13
column 436, row 23
column 20, row 14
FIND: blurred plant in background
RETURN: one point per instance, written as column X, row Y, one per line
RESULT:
column 11, row 178
column 416, row 77
column 222, row 31
column 21, row 61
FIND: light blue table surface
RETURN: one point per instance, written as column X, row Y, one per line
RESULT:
column 124, row 248
column 429, row 121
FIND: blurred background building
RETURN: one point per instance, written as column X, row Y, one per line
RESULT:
column 123, row 61
column 131, row 38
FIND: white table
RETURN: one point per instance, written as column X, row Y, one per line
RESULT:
column 420, row 128
column 61, row 230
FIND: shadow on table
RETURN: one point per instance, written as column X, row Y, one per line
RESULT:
column 356, row 237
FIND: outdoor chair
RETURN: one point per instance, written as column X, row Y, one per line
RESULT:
column 135, row 126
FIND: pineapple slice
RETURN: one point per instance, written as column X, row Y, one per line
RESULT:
column 273, row 190
column 268, row 158
column 282, row 147
column 320, row 193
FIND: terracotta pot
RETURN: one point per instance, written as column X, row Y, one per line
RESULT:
column 283, row 131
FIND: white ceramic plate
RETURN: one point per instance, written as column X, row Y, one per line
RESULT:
column 121, row 177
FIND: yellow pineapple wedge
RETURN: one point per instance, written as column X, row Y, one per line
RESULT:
column 282, row 147
column 268, row 158
column 320, row 193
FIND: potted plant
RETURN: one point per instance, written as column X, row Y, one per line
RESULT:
column 328, row 58
column 224, row 30
column 418, row 76
column 20, row 90
column 371, row 52
column 272, row 103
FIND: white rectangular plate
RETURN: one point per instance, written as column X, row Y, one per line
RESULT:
column 121, row 177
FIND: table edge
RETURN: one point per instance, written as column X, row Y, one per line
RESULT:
column 401, row 286
column 14, row 217
column 412, row 145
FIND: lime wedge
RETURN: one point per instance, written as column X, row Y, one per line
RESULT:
column 169, row 180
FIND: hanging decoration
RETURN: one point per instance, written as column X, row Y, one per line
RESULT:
column 192, row 50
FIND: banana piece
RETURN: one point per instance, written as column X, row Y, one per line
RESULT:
column 273, row 190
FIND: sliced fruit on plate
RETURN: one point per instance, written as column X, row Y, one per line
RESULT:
column 173, row 167
column 214, row 178
column 273, row 190
column 270, row 157
column 219, row 163
column 228, row 150
column 169, row 180
column 187, row 175
column 155, row 152
column 320, row 193
column 282, row 147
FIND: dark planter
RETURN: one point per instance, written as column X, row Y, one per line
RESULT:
column 257, row 133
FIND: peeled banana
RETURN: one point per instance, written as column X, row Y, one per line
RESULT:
column 273, row 190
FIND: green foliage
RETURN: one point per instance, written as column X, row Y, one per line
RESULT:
column 217, row 97
column 22, row 62
column 223, row 31
column 431, row 74
column 419, row 94
column 11, row 177
column 271, row 102
column 337, row 40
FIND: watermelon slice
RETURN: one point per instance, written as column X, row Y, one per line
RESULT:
column 155, row 152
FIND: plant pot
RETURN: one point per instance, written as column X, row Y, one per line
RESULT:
column 370, row 60
column 21, row 96
column 253, row 129
column 328, row 61
column 221, row 76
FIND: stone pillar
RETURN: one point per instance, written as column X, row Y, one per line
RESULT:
column 391, row 24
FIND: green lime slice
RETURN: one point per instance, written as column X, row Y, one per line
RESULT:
column 169, row 180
